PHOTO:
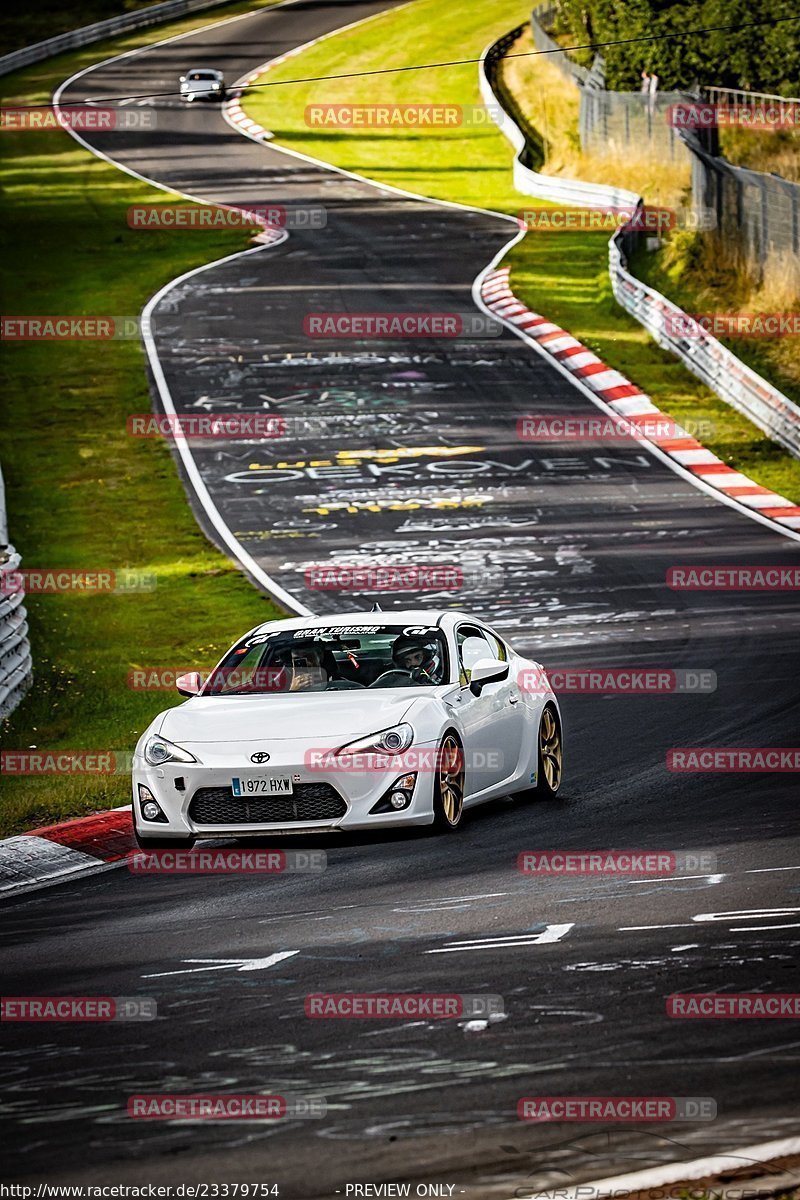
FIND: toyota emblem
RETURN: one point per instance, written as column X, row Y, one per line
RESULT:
column 260, row 757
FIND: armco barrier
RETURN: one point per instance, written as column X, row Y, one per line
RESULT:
column 15, row 650
column 704, row 355
column 526, row 181
column 125, row 23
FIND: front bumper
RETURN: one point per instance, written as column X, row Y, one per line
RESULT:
column 211, row 92
column 197, row 800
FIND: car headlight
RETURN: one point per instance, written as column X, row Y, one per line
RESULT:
column 388, row 741
column 158, row 750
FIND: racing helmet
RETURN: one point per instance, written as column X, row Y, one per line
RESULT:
column 408, row 643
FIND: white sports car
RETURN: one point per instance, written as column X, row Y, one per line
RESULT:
column 354, row 722
column 202, row 83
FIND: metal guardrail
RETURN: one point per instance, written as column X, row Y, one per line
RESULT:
column 706, row 357
column 737, row 98
column 16, row 664
column 526, row 181
column 84, row 36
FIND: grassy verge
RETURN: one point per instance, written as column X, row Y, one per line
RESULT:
column 80, row 492
column 563, row 275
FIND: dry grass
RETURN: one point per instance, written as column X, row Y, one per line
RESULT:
column 704, row 274
column 550, row 103
column 775, row 152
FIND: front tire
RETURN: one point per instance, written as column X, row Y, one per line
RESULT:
column 550, row 767
column 163, row 843
column 448, row 788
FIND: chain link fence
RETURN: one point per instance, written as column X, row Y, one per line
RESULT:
column 755, row 213
column 703, row 354
column 758, row 213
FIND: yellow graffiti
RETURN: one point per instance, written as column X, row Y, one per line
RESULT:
column 353, row 457
column 324, row 510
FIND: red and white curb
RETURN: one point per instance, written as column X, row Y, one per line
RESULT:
column 628, row 401
column 55, row 853
column 236, row 114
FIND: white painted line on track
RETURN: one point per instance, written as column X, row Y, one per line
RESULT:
column 226, row 964
column 237, row 551
column 679, row 879
column 549, row 935
column 767, row 870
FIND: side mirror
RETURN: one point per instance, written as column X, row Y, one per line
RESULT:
column 182, row 79
column 189, row 684
column 488, row 670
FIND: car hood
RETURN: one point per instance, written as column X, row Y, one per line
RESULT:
column 338, row 716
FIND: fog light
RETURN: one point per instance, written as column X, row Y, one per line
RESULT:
column 151, row 810
column 399, row 799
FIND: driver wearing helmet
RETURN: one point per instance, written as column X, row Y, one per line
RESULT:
column 417, row 656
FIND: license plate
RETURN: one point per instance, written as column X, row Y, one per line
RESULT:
column 262, row 785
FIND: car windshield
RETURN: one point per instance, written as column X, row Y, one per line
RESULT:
column 202, row 75
column 332, row 658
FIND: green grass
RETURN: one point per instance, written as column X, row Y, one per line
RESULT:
column 81, row 493
column 564, row 276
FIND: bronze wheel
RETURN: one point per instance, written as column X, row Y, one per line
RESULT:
column 551, row 754
column 448, row 801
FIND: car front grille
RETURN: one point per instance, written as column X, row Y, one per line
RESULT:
column 310, row 802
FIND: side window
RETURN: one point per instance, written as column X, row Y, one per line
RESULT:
column 472, row 646
column 498, row 649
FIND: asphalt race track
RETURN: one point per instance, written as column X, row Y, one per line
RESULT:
column 409, row 452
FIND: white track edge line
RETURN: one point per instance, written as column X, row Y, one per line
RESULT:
column 676, row 1172
column 240, row 555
